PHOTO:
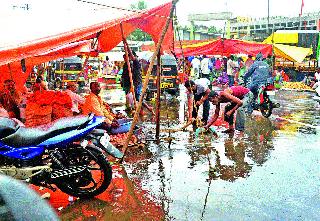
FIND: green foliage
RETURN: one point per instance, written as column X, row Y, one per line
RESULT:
column 213, row 29
column 141, row 4
column 139, row 35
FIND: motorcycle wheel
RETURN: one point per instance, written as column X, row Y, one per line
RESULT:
column 85, row 185
column 266, row 108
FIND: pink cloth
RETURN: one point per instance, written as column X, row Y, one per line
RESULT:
column 218, row 64
column 239, row 91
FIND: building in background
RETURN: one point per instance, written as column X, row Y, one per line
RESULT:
column 259, row 29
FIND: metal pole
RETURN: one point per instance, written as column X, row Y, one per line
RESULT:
column 158, row 98
column 146, row 81
column 268, row 16
column 272, row 56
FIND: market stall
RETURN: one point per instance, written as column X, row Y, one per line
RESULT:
column 105, row 35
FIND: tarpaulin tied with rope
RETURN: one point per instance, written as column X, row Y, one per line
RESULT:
column 15, row 71
column 107, row 34
column 226, row 47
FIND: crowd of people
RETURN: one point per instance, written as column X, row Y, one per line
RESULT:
column 239, row 98
column 239, row 80
column 225, row 71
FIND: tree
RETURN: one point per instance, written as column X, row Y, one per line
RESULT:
column 140, row 5
column 138, row 34
column 214, row 30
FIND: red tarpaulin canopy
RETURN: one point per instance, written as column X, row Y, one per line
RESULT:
column 14, row 71
column 108, row 34
column 226, row 47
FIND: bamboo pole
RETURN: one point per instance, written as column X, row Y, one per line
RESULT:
column 10, row 71
column 146, row 81
column 129, row 66
column 158, row 98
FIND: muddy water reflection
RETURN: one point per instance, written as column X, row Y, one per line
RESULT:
column 271, row 173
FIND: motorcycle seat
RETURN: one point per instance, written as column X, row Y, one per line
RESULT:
column 7, row 127
column 24, row 136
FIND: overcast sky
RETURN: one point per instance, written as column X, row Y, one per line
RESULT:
column 252, row 8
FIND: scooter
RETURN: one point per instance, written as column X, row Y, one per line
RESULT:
column 69, row 154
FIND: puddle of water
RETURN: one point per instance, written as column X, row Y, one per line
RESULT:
column 271, row 173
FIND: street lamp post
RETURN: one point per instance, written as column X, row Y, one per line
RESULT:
column 268, row 16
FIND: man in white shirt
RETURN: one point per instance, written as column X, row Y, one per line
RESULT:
column 205, row 67
column 76, row 99
column 231, row 70
column 196, row 66
column 197, row 93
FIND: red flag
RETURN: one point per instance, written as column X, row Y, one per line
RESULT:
column 302, row 4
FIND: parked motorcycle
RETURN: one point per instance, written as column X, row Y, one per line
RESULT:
column 68, row 154
column 263, row 101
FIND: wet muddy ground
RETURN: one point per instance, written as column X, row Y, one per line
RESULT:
column 272, row 173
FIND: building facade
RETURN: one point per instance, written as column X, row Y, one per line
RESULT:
column 259, row 29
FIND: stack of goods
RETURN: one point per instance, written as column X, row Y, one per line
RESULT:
column 61, row 105
column 38, row 109
column 43, row 107
column 296, row 86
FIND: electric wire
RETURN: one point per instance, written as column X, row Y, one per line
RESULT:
column 124, row 9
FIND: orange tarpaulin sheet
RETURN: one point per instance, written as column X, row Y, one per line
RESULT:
column 14, row 71
column 108, row 34
column 226, row 47
column 151, row 21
